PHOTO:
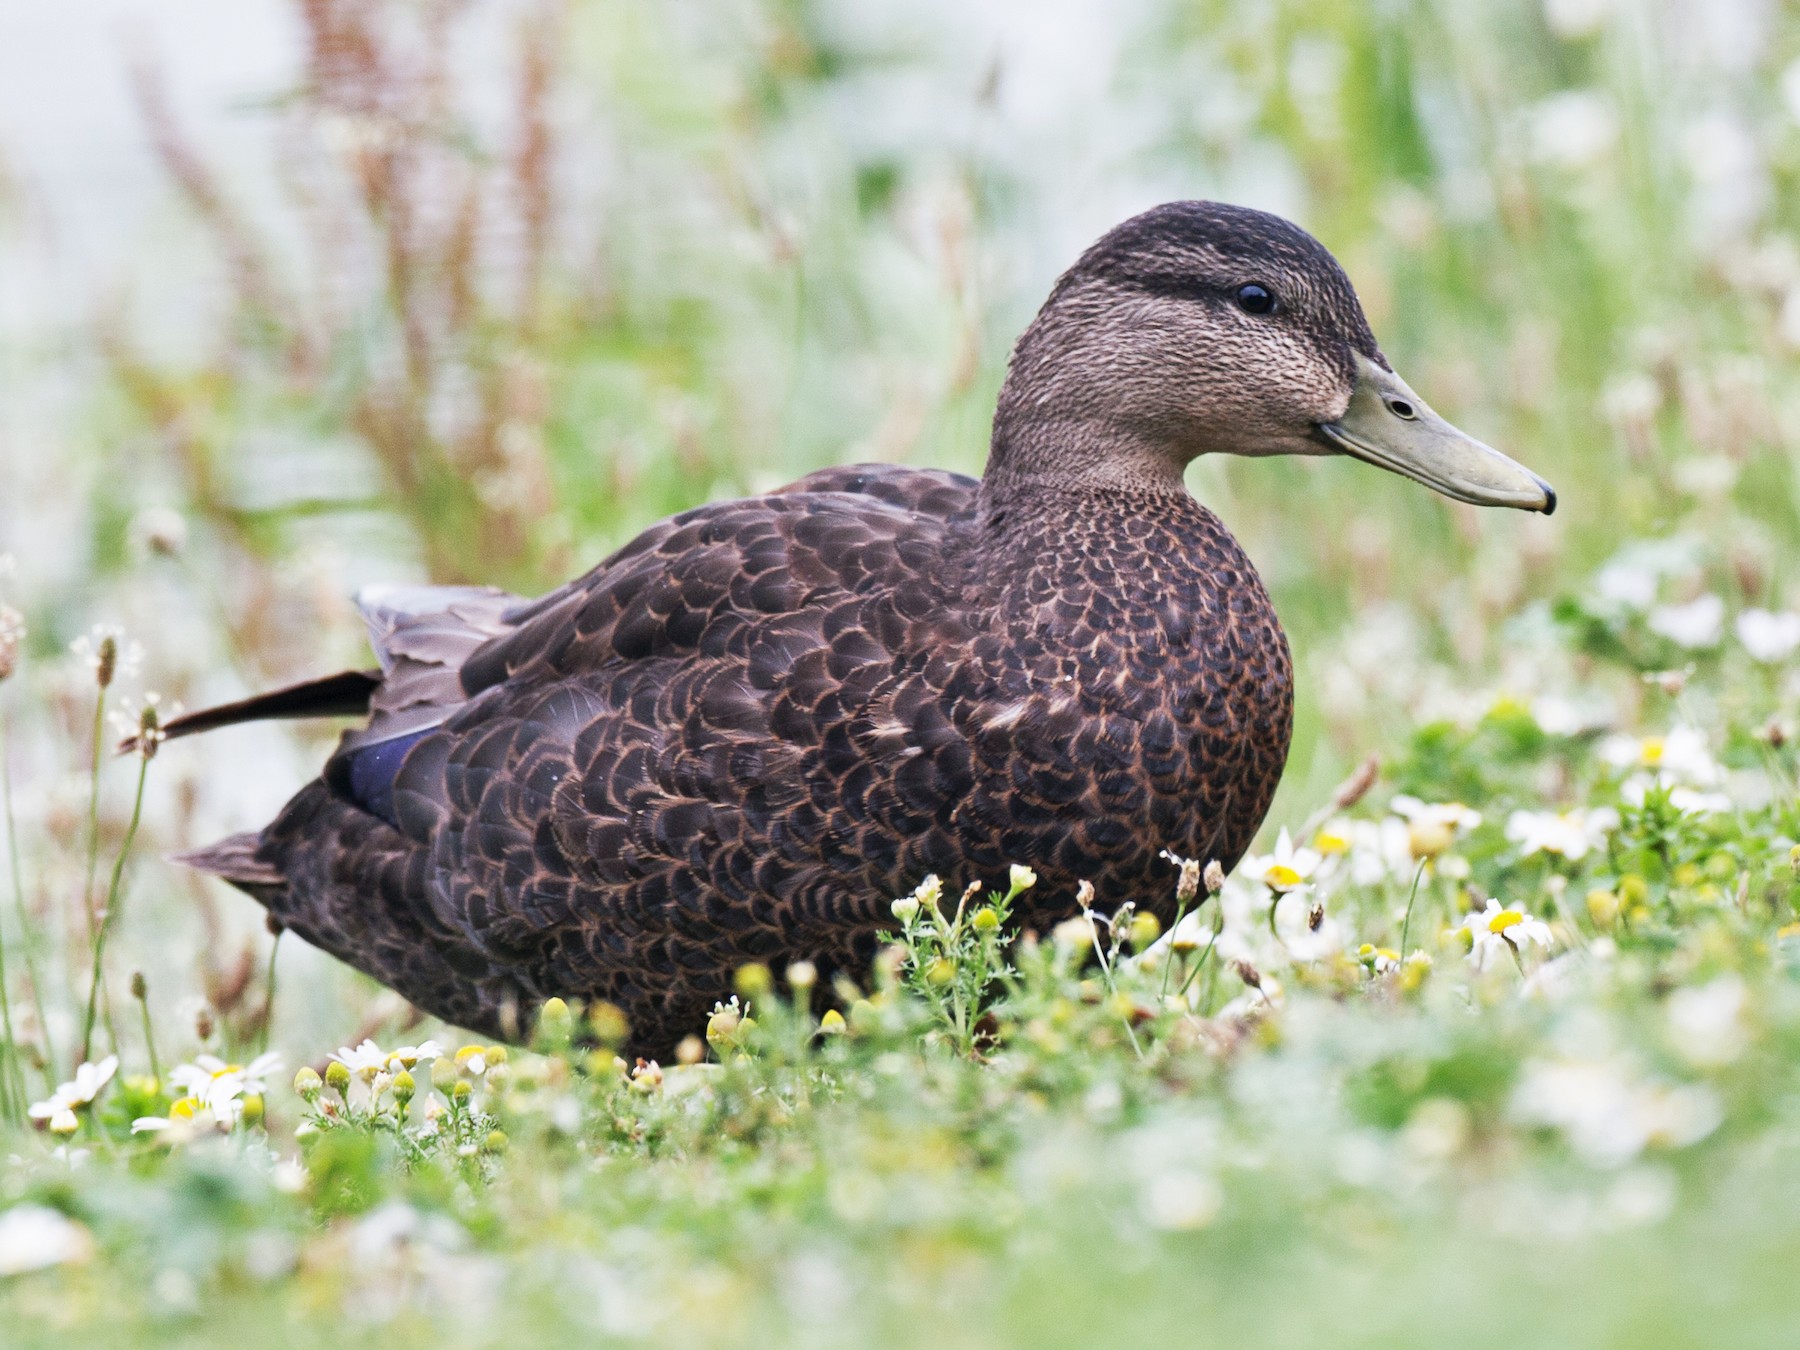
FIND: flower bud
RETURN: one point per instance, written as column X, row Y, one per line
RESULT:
column 753, row 980
column 723, row 1025
column 986, row 919
column 443, row 1072
column 802, row 975
column 941, row 971
column 461, row 1092
column 307, row 1082
column 1021, row 878
column 337, row 1077
column 253, row 1109
column 608, row 1023
column 691, row 1050
column 1144, row 930
column 495, row 1142
column 905, row 909
column 404, row 1087
column 832, row 1023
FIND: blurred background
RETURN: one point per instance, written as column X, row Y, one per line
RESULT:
column 301, row 294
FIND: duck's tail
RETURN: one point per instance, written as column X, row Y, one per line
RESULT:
column 235, row 859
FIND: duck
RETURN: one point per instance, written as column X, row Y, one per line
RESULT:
column 741, row 736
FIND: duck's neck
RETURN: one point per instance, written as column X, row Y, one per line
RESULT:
column 1030, row 454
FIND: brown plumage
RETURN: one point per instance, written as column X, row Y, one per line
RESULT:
column 739, row 737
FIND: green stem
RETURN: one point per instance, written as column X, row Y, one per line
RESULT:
column 269, row 995
column 1406, row 923
column 13, row 1067
column 111, row 914
column 93, row 839
column 150, row 1040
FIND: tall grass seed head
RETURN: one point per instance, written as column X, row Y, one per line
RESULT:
column 1214, row 877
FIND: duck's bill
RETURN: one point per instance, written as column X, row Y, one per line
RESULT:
column 1393, row 428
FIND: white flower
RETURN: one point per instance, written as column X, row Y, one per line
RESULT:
column 35, row 1237
column 365, row 1060
column 1769, row 636
column 408, row 1055
column 218, row 1088
column 1569, row 833
column 1573, row 129
column 1573, row 19
column 1432, row 827
column 1608, row 1115
column 59, row 1108
column 1706, row 1021
column 1503, row 932
column 1698, row 623
column 1286, row 869
column 1380, row 850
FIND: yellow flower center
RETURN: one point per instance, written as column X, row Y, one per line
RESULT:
column 1328, row 842
column 1281, row 877
column 1651, row 750
column 1504, row 920
column 184, row 1109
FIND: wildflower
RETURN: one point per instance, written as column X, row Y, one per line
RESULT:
column 407, row 1056
column 1187, row 884
column 1573, row 129
column 218, row 1085
column 36, row 1237
column 159, row 530
column 1697, row 624
column 59, row 1108
column 1021, row 879
column 337, row 1076
column 307, row 1082
column 108, row 654
column 905, row 909
column 986, row 920
column 1496, row 930
column 1181, row 1200
column 1432, row 827
column 1213, row 877
column 365, row 1060
column 802, row 975
column 1678, row 760
column 1286, row 869
column 1607, row 1113
column 1570, row 834
column 12, row 636
column 1333, row 838
column 1768, row 637
column 1380, row 960
column 405, row 1086
column 1706, row 1021
column 1076, row 934
column 472, row 1060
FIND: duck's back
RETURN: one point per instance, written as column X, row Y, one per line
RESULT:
column 741, row 736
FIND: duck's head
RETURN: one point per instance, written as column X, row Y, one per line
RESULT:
column 1198, row 328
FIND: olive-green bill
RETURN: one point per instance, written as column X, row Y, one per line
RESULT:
column 1393, row 428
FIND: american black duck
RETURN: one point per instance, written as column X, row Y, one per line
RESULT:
column 739, row 737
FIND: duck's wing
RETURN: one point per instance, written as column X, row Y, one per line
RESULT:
column 601, row 794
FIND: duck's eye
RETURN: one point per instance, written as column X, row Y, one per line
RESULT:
column 1254, row 299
